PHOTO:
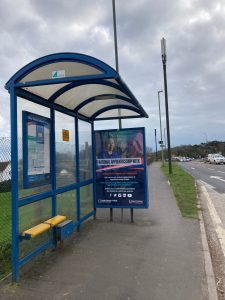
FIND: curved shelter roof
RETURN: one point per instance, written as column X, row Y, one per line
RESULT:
column 77, row 84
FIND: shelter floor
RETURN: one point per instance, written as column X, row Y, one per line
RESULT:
column 159, row 256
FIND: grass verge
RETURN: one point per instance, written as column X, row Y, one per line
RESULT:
column 183, row 185
column 5, row 234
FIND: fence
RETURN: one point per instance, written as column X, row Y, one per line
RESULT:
column 5, row 206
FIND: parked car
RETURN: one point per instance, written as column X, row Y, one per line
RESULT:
column 216, row 159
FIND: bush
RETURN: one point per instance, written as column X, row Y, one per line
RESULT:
column 5, row 258
column 5, row 186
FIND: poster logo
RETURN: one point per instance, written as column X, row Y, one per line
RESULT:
column 58, row 74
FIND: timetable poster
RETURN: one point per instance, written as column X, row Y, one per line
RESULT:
column 36, row 150
column 120, row 168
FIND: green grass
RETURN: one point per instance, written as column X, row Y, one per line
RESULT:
column 184, row 189
column 5, row 217
column 5, row 233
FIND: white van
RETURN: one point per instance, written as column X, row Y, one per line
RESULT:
column 216, row 159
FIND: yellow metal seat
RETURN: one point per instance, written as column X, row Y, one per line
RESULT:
column 55, row 220
column 40, row 228
column 36, row 230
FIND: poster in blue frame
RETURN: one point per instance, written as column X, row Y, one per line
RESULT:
column 120, row 168
column 36, row 150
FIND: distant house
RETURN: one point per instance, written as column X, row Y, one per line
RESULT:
column 5, row 171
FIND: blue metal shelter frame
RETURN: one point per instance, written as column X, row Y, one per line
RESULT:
column 106, row 92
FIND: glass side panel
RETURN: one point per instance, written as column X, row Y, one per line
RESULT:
column 85, row 150
column 31, row 215
column 66, row 204
column 65, row 149
column 24, row 105
column 86, row 200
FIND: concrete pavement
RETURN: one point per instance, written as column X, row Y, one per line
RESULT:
column 159, row 256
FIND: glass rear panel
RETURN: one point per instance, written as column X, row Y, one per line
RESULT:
column 65, row 149
column 85, row 150
column 86, row 200
column 31, row 215
column 67, row 205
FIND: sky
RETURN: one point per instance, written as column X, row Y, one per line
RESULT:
column 195, row 35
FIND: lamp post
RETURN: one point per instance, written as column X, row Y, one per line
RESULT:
column 156, row 156
column 160, row 122
column 116, row 49
column 165, row 137
column 163, row 52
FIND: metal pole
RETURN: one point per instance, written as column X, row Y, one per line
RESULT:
column 161, row 139
column 116, row 49
column 163, row 50
column 165, row 137
column 155, row 146
column 167, row 117
column 117, row 69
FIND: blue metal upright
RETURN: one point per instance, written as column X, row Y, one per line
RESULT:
column 14, row 164
column 77, row 171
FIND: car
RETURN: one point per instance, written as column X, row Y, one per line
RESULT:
column 216, row 159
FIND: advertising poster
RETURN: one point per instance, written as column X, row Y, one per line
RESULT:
column 121, row 168
column 36, row 150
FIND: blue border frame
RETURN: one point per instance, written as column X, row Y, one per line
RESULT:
column 145, row 171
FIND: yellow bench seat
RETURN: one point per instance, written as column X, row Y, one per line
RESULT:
column 55, row 220
column 36, row 230
column 40, row 228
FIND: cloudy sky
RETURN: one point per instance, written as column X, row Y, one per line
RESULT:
column 195, row 35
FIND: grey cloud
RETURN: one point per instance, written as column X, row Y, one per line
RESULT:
column 195, row 36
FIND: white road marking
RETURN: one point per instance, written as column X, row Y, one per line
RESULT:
column 211, row 169
column 192, row 168
column 207, row 185
column 215, row 219
column 221, row 172
column 218, row 177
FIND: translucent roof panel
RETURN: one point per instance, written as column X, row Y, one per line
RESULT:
column 72, row 98
column 45, row 91
column 67, row 69
column 114, row 113
column 92, row 107
column 76, row 83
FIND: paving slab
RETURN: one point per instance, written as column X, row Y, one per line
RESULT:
column 159, row 256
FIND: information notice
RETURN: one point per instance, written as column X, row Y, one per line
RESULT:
column 36, row 150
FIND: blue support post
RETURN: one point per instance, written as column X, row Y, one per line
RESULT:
column 77, row 171
column 93, row 166
column 14, row 166
column 53, row 167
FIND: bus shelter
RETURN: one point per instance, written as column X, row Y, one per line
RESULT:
column 54, row 102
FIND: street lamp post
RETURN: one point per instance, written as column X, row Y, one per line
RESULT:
column 156, row 155
column 116, row 49
column 163, row 51
column 165, row 137
column 160, row 122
